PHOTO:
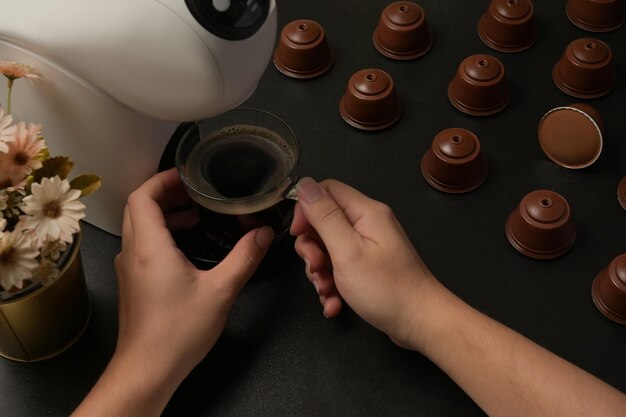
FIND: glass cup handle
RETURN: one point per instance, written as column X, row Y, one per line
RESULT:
column 292, row 194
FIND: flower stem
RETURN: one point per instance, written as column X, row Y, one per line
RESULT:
column 10, row 85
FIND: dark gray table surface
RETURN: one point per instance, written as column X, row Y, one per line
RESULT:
column 279, row 355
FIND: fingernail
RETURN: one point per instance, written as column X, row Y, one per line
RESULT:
column 264, row 237
column 309, row 191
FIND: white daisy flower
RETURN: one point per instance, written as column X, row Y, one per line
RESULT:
column 7, row 130
column 17, row 259
column 53, row 211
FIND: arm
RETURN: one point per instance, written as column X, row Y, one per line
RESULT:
column 170, row 313
column 356, row 252
column 505, row 373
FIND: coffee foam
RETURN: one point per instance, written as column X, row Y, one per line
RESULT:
column 237, row 130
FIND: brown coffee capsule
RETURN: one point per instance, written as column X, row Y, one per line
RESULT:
column 596, row 15
column 402, row 32
column 571, row 136
column 608, row 290
column 621, row 193
column 586, row 69
column 479, row 87
column 509, row 25
column 541, row 226
column 370, row 101
column 303, row 51
column 454, row 163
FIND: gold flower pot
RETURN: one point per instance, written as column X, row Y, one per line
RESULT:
column 45, row 322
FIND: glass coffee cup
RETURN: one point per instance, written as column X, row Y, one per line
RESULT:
column 239, row 169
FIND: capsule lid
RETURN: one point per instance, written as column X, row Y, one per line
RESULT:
column 303, row 32
column 371, row 82
column 570, row 137
column 403, row 13
column 456, row 143
column 590, row 50
column 513, row 9
column 546, row 206
column 482, row 67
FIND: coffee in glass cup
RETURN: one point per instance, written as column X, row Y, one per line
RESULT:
column 239, row 168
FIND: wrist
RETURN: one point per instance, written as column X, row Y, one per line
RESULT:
column 158, row 372
column 427, row 312
column 130, row 386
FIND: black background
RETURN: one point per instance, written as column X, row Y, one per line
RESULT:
column 279, row 355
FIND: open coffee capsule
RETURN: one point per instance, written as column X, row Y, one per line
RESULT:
column 303, row 51
column 508, row 25
column 586, row 69
column 402, row 32
column 621, row 193
column 571, row 136
column 541, row 226
column 455, row 163
column 608, row 290
column 596, row 15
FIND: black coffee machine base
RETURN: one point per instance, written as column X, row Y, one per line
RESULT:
column 205, row 254
column 201, row 251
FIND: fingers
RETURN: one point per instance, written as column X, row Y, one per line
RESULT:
column 128, row 240
column 354, row 203
column 243, row 259
column 181, row 220
column 325, row 218
column 146, row 205
column 299, row 225
column 332, row 304
column 324, row 284
column 164, row 188
column 311, row 252
column 318, row 271
column 325, row 215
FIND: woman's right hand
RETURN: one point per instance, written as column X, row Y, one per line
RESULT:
column 355, row 250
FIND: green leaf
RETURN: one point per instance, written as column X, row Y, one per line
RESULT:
column 58, row 165
column 43, row 154
column 86, row 183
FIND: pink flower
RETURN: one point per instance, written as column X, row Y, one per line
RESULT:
column 14, row 70
column 7, row 131
column 21, row 158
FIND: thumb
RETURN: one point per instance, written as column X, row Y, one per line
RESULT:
column 244, row 259
column 325, row 215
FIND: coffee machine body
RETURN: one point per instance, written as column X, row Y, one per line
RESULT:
column 118, row 77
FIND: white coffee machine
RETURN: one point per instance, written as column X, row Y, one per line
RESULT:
column 118, row 76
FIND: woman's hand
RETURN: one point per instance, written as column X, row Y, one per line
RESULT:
column 170, row 313
column 355, row 250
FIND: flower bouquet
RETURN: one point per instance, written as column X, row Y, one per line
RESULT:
column 44, row 305
column 39, row 207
